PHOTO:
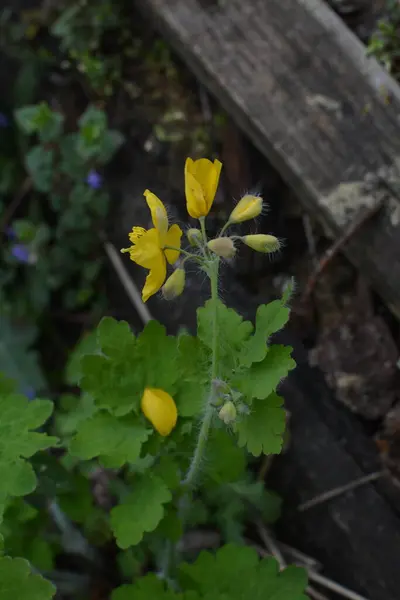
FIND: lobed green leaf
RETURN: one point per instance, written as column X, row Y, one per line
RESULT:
column 17, row 581
column 141, row 511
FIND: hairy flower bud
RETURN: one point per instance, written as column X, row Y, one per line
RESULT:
column 174, row 285
column 223, row 247
column 262, row 242
column 247, row 208
column 227, row 414
column 160, row 409
column 194, row 236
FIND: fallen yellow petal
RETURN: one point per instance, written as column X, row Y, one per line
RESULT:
column 160, row 409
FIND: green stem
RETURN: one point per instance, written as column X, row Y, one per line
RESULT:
column 195, row 465
column 225, row 227
column 188, row 254
column 188, row 483
column 203, row 229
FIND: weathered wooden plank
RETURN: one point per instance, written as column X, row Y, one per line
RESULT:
column 326, row 116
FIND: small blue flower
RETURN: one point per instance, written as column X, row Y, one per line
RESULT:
column 4, row 120
column 10, row 233
column 94, row 180
column 29, row 392
column 20, row 252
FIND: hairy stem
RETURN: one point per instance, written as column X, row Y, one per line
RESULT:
column 225, row 227
column 188, row 254
column 189, row 482
column 203, row 229
column 209, row 409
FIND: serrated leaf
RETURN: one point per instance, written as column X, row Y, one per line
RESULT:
column 170, row 527
column 158, row 353
column 226, row 461
column 169, row 471
column 116, row 385
column 17, row 581
column 115, row 338
column 25, row 119
column 190, row 397
column 255, row 494
column 235, row 572
column 72, row 411
column 264, row 377
column 193, row 385
column 86, row 345
column 149, row 587
column 140, row 512
column 116, row 440
column 262, row 430
column 214, row 571
column 39, row 163
column 232, row 332
column 17, row 360
column 17, row 442
column 270, row 318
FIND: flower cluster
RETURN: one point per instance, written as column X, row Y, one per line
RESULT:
column 155, row 247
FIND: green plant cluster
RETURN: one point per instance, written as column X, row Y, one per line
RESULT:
column 153, row 503
column 385, row 42
column 90, row 471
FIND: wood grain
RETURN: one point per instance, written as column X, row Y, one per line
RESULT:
column 297, row 81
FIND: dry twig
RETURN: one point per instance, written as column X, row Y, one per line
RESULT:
column 338, row 491
column 321, row 580
column 338, row 246
column 126, row 280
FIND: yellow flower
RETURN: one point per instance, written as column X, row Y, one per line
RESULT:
column 201, row 182
column 160, row 409
column 148, row 249
column 247, row 208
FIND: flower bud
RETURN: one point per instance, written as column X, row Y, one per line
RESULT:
column 174, row 285
column 247, row 208
column 227, row 414
column 194, row 236
column 160, row 409
column 223, row 247
column 243, row 409
column 220, row 386
column 262, row 242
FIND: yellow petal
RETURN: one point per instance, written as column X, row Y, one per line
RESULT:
column 195, row 200
column 146, row 249
column 201, row 182
column 160, row 409
column 156, row 277
column 173, row 238
column 207, row 174
column 158, row 212
column 136, row 233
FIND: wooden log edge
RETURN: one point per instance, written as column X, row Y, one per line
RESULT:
column 300, row 85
